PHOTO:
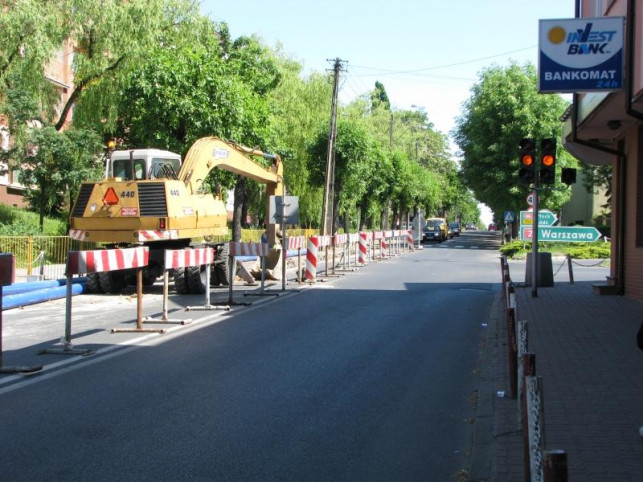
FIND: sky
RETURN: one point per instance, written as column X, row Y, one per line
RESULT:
column 427, row 53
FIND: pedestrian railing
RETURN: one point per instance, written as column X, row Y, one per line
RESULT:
column 539, row 465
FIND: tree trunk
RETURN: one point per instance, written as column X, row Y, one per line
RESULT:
column 240, row 195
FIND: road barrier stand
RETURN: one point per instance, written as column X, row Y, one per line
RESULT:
column 186, row 258
column 311, row 259
column 296, row 242
column 261, row 250
column 353, row 250
column 363, row 257
column 410, row 246
column 343, row 242
column 136, row 258
column 377, row 242
column 7, row 277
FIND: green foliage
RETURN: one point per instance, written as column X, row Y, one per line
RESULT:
column 504, row 107
column 56, row 167
column 299, row 106
column 519, row 249
column 19, row 222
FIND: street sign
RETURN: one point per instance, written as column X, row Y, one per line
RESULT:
column 545, row 218
column 510, row 217
column 562, row 234
column 288, row 206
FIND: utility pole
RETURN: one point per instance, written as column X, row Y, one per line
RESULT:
column 328, row 215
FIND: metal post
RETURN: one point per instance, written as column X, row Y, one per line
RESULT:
column 534, row 242
column 569, row 268
column 284, row 250
column 231, row 277
column 68, row 292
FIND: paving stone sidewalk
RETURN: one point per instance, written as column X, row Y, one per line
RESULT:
column 592, row 369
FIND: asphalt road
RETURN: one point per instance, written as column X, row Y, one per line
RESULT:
column 367, row 376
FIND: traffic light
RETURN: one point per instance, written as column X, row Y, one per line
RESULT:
column 527, row 159
column 548, row 160
column 568, row 175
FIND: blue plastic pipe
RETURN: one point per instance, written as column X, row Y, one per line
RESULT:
column 38, row 296
column 16, row 288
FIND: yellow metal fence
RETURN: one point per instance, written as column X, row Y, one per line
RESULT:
column 44, row 257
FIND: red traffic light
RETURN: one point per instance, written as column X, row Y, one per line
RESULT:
column 527, row 158
column 548, row 160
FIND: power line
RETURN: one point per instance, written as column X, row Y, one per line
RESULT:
column 413, row 71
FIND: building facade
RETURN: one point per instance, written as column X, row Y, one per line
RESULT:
column 606, row 128
column 59, row 73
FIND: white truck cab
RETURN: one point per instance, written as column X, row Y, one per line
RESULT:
column 139, row 164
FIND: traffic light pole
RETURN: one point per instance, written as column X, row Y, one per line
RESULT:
column 534, row 242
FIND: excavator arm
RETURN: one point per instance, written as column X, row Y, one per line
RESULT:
column 211, row 152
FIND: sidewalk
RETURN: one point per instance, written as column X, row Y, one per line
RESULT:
column 592, row 370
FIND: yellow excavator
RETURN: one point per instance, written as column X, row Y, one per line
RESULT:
column 150, row 198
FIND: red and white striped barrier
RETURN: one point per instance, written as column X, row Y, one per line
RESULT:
column 188, row 257
column 185, row 258
column 249, row 249
column 409, row 239
column 295, row 242
column 262, row 250
column 311, row 258
column 340, row 239
column 82, row 262
column 363, row 248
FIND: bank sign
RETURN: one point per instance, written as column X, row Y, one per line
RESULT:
column 580, row 54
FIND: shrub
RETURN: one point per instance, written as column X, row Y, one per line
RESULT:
column 20, row 222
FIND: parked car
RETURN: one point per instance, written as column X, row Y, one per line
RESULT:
column 493, row 227
column 455, row 228
column 435, row 229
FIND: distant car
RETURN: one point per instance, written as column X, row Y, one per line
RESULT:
column 455, row 229
column 436, row 229
column 493, row 227
column 471, row 227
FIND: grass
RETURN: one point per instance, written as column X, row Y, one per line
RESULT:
column 21, row 222
column 519, row 249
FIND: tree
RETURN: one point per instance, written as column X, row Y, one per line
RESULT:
column 108, row 37
column 200, row 83
column 379, row 97
column 299, row 107
column 56, row 165
column 504, row 107
column 354, row 164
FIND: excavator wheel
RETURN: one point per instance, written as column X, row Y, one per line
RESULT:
column 93, row 284
column 195, row 276
column 111, row 281
column 180, row 281
column 221, row 264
